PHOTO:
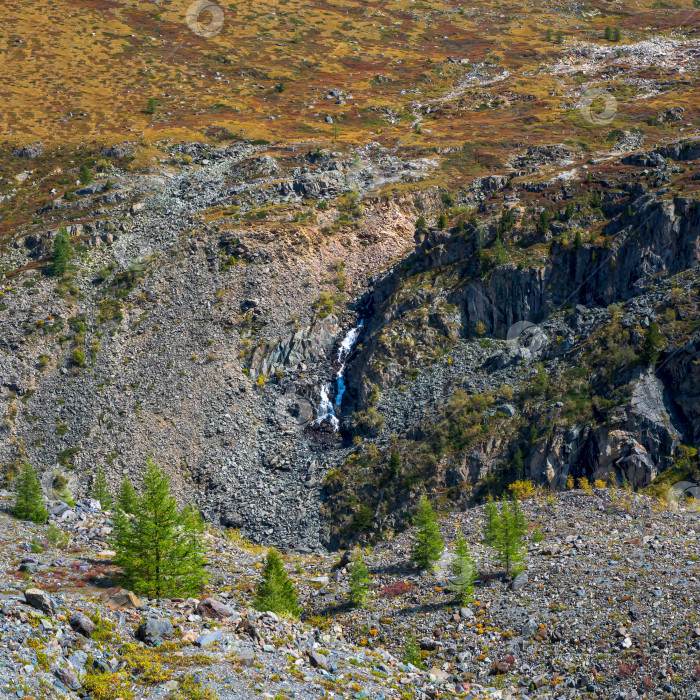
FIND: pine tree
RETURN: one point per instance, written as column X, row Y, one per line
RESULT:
column 429, row 545
column 359, row 580
column 275, row 591
column 192, row 552
column 490, row 517
column 617, row 34
column 608, row 33
column 442, row 221
column 394, row 462
column 651, row 345
column 421, row 224
column 518, row 463
column 505, row 532
column 157, row 549
column 85, row 175
column 126, row 498
column 100, row 492
column 29, row 501
column 464, row 571
column 62, row 251
column 499, row 253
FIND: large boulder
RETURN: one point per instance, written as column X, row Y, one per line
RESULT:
column 120, row 598
column 213, row 609
column 82, row 623
column 40, row 600
column 153, row 632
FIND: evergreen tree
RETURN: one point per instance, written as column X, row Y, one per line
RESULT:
column 505, row 532
column 359, row 580
column 126, row 498
column 85, row 175
column 100, row 492
column 464, row 571
column 442, row 221
column 617, row 34
column 276, row 592
column 29, row 501
column 578, row 240
column 651, row 345
column 157, row 548
column 192, row 552
column 62, row 251
column 394, row 462
column 518, row 463
column 429, row 545
column 421, row 224
column 500, row 255
column 490, row 517
column 608, row 33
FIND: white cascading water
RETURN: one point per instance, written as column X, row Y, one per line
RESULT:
column 326, row 409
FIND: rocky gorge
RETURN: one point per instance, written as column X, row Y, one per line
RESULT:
column 210, row 333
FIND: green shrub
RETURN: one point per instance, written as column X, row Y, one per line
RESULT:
column 359, row 580
column 78, row 357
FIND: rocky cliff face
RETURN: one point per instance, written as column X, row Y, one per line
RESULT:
column 204, row 310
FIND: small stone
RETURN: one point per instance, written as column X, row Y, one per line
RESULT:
column 247, row 658
column 68, row 677
column 519, row 582
column 318, row 660
column 207, row 639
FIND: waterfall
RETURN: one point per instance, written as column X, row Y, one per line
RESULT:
column 326, row 407
column 325, row 410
